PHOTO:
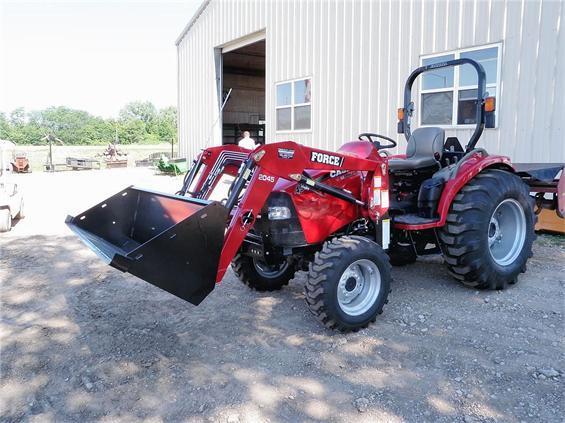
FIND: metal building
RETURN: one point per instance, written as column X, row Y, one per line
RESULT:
column 320, row 72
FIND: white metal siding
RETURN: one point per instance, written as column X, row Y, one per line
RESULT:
column 359, row 53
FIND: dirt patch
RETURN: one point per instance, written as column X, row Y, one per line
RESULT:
column 83, row 342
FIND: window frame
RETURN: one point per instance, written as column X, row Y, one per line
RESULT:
column 293, row 105
column 457, row 88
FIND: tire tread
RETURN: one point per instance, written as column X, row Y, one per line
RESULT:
column 320, row 272
column 461, row 235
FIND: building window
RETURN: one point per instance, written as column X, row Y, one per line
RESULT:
column 449, row 95
column 294, row 108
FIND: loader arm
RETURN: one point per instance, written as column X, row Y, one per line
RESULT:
column 209, row 165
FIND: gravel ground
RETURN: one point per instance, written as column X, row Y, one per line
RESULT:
column 83, row 342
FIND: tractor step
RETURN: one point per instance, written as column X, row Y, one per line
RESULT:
column 413, row 219
column 170, row 241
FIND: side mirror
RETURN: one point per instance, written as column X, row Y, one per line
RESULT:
column 15, row 189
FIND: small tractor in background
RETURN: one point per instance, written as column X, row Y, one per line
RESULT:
column 342, row 217
column 20, row 164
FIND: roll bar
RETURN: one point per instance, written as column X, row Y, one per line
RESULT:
column 404, row 123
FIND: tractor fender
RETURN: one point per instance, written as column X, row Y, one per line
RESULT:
column 467, row 171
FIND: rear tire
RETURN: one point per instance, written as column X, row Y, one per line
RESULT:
column 5, row 220
column 260, row 276
column 348, row 283
column 489, row 232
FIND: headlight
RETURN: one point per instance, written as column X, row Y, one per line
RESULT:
column 279, row 213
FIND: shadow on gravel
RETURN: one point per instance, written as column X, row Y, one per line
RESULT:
column 82, row 342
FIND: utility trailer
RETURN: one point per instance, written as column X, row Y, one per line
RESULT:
column 82, row 163
column 115, row 164
column 55, row 167
column 343, row 217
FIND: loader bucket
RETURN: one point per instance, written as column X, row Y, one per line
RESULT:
column 170, row 241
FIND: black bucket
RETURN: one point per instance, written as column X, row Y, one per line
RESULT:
column 170, row 241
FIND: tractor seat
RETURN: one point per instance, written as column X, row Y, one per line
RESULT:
column 424, row 149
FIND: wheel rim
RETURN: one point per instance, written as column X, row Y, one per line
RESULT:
column 268, row 271
column 507, row 232
column 359, row 287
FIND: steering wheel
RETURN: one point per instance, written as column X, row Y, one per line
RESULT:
column 369, row 137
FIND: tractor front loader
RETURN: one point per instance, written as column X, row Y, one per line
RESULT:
column 341, row 216
column 327, row 209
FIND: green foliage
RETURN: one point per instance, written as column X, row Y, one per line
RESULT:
column 138, row 122
column 131, row 131
column 17, row 117
column 166, row 123
column 4, row 127
column 140, row 110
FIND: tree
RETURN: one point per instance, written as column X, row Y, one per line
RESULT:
column 4, row 127
column 166, row 126
column 139, row 122
column 131, row 131
column 141, row 110
column 17, row 117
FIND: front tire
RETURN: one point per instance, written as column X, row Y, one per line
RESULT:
column 260, row 276
column 489, row 232
column 348, row 283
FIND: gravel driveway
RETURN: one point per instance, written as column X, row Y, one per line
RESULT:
column 83, row 342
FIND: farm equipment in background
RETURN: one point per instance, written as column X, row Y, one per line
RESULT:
column 82, row 163
column 547, row 182
column 20, row 164
column 153, row 159
column 172, row 166
column 49, row 166
column 339, row 216
column 114, row 158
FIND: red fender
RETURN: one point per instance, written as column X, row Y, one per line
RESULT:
column 468, row 170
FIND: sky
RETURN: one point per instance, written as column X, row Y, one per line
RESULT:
column 90, row 55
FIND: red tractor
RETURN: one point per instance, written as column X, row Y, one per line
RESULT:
column 21, row 163
column 339, row 216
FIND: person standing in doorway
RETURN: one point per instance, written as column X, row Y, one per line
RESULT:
column 247, row 141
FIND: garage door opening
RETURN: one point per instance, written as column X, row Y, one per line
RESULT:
column 243, row 71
